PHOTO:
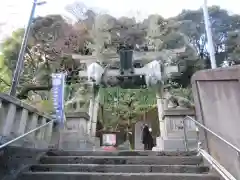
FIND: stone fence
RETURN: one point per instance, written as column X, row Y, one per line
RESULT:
column 17, row 118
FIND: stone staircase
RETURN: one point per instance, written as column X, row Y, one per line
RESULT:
column 120, row 165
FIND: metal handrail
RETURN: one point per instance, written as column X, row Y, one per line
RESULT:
column 23, row 135
column 213, row 133
column 215, row 164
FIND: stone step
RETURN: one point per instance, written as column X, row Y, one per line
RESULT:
column 118, row 168
column 113, row 176
column 160, row 160
column 121, row 153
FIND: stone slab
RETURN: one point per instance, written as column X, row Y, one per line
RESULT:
column 159, row 160
column 178, row 112
column 76, row 145
column 114, row 176
column 118, row 168
column 84, row 115
column 177, row 144
column 121, row 153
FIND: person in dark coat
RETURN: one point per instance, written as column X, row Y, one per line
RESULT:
column 147, row 139
column 150, row 143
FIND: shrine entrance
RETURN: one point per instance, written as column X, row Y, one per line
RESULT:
column 127, row 72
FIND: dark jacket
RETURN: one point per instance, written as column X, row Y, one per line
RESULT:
column 147, row 138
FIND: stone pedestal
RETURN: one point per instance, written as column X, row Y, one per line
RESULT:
column 74, row 136
column 172, row 132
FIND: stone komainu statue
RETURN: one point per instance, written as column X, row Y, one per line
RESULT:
column 173, row 101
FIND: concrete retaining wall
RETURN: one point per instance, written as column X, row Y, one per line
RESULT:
column 217, row 102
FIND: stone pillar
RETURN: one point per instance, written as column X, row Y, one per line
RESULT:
column 40, row 132
column 2, row 115
column 93, row 114
column 40, row 142
column 9, row 120
column 160, row 106
column 48, row 132
column 90, row 112
column 23, row 122
column 32, row 125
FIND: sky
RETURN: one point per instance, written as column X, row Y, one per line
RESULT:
column 15, row 13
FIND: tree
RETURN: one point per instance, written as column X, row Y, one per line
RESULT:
column 51, row 37
column 11, row 47
column 181, row 39
column 5, row 76
column 123, row 106
column 222, row 25
column 185, row 30
column 233, row 47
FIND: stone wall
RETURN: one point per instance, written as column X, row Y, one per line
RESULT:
column 217, row 104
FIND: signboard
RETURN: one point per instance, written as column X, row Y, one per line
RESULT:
column 109, row 139
column 58, row 83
